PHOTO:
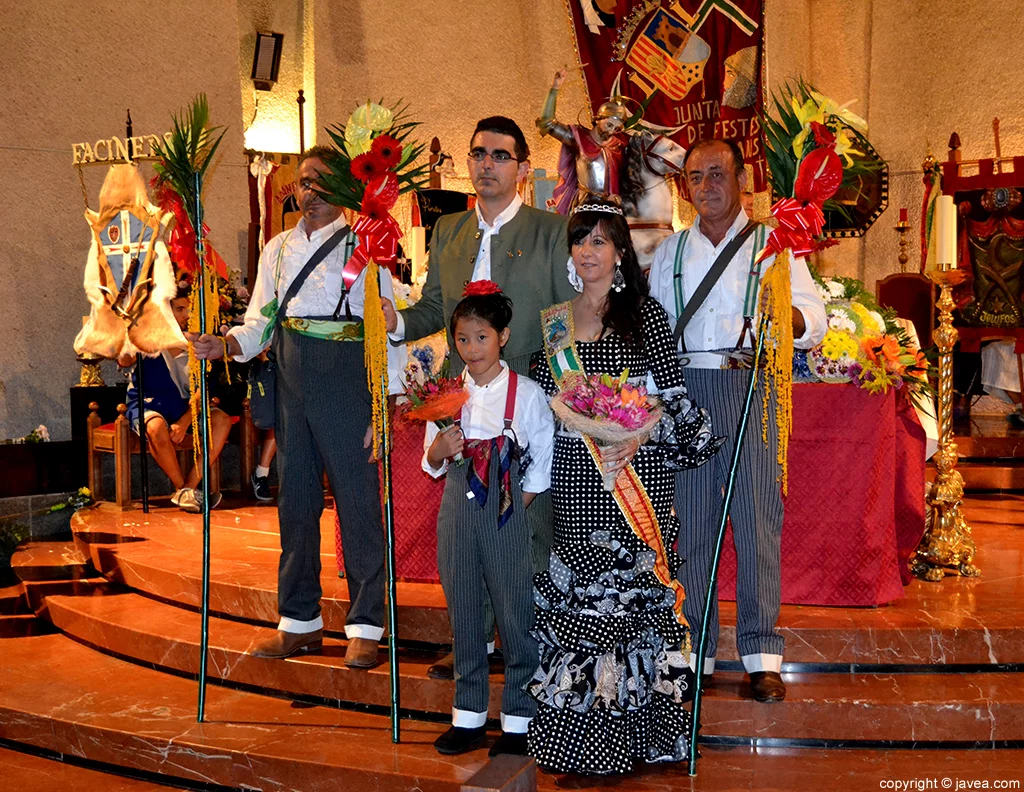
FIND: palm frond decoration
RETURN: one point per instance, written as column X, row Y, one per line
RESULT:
column 189, row 152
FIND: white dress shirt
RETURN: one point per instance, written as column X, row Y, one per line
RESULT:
column 482, row 266
column 718, row 322
column 483, row 417
column 317, row 297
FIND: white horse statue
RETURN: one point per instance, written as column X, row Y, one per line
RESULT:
column 646, row 193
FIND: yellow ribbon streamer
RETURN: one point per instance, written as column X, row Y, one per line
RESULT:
column 779, row 358
column 375, row 349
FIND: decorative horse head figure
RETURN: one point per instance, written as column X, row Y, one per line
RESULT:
column 651, row 160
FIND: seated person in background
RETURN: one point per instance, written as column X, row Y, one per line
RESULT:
column 1000, row 377
column 168, row 416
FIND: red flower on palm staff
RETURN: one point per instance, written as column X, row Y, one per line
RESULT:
column 388, row 150
column 377, row 230
column 801, row 218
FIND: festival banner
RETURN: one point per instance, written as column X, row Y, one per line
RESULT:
column 699, row 61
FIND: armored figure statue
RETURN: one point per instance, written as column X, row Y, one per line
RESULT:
column 591, row 159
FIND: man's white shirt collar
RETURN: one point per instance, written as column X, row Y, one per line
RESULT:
column 503, row 217
column 321, row 233
column 737, row 225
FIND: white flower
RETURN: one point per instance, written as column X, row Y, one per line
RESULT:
column 838, row 320
column 43, row 433
column 878, row 320
column 836, row 289
column 823, row 293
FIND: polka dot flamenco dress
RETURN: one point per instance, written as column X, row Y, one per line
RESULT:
column 614, row 670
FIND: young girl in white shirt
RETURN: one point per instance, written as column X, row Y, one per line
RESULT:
column 506, row 434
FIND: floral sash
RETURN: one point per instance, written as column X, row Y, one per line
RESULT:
column 630, row 496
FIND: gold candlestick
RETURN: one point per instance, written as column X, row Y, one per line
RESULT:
column 947, row 547
column 901, row 228
column 90, row 375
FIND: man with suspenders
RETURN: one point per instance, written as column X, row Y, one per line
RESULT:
column 307, row 307
column 717, row 315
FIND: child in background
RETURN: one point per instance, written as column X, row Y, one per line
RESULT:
column 506, row 434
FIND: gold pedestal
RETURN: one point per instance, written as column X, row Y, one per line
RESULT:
column 91, row 374
column 947, row 547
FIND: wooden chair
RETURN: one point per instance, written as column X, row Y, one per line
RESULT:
column 118, row 439
column 913, row 297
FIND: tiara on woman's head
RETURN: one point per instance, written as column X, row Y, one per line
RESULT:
column 598, row 207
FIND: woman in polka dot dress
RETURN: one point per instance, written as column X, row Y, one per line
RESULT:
column 614, row 670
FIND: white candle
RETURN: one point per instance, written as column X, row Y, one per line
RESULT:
column 419, row 251
column 945, row 233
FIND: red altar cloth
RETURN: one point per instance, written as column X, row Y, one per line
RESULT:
column 855, row 509
column 854, row 513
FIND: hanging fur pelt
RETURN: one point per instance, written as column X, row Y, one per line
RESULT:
column 128, row 278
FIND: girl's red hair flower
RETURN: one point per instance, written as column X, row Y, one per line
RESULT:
column 481, row 288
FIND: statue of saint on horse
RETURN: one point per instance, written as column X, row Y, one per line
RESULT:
column 610, row 158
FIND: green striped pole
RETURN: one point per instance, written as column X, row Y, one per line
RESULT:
column 204, row 423
column 712, row 588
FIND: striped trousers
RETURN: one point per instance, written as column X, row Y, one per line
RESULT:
column 323, row 409
column 756, row 514
column 476, row 561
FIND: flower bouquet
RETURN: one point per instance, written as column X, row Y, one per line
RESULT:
column 607, row 409
column 438, row 398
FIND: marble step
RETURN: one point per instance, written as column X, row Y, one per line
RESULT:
column 20, row 625
column 12, row 600
column 61, row 697
column 27, row 772
column 977, row 708
column 148, row 631
column 50, row 560
column 958, row 622
column 165, row 561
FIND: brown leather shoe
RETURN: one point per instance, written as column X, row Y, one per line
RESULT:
column 361, row 653
column 767, row 686
column 286, row 644
column 443, row 668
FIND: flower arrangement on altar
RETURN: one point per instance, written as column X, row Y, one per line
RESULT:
column 608, row 409
column 863, row 344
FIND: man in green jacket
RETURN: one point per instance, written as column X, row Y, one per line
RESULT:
column 522, row 249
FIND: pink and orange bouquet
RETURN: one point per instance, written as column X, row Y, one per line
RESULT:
column 608, row 409
column 434, row 398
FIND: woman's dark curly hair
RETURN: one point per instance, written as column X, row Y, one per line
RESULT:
column 622, row 313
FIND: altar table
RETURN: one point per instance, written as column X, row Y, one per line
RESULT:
column 854, row 513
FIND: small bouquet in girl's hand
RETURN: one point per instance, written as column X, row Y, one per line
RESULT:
column 608, row 409
column 438, row 398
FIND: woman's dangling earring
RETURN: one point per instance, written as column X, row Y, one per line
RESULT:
column 618, row 280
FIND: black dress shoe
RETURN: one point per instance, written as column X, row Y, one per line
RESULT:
column 767, row 686
column 509, row 743
column 443, row 668
column 459, row 740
